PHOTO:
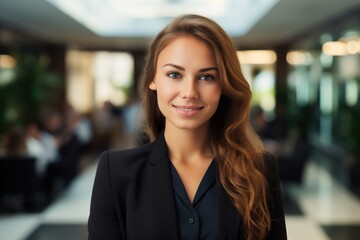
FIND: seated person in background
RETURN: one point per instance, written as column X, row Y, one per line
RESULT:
column 42, row 146
column 264, row 129
column 14, row 144
column 80, row 126
column 291, row 152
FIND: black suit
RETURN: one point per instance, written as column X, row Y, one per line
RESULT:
column 133, row 198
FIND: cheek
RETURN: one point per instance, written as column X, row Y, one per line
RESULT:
column 162, row 99
column 165, row 92
column 214, row 95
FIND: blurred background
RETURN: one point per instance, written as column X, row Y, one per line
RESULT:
column 69, row 78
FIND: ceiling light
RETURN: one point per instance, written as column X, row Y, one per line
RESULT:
column 299, row 58
column 352, row 46
column 144, row 18
column 257, row 57
column 7, row 61
column 335, row 48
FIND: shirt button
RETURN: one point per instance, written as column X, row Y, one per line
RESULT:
column 191, row 220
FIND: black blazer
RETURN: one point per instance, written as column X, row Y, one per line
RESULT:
column 133, row 198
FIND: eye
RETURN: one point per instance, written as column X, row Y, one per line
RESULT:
column 207, row 77
column 174, row 75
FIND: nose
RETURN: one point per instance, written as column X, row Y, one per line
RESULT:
column 189, row 89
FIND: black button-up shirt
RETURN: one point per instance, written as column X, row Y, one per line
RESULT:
column 200, row 219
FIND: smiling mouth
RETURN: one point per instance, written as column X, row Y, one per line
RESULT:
column 188, row 109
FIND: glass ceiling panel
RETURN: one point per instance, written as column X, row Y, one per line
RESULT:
column 144, row 18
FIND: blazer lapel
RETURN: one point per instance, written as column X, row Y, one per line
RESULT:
column 163, row 195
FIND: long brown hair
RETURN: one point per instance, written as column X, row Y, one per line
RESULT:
column 235, row 145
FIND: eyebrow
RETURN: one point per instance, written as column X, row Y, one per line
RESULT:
column 183, row 69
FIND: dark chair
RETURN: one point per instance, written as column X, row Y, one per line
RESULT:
column 18, row 177
column 291, row 168
column 68, row 166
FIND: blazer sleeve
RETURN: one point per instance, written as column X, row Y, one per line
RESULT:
column 103, row 223
column 278, row 227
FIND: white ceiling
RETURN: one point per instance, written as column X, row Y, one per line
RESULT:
column 145, row 18
column 287, row 20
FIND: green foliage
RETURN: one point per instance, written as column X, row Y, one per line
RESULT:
column 31, row 90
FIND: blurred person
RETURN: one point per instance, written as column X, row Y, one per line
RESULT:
column 104, row 116
column 291, row 152
column 54, row 124
column 69, row 145
column 130, row 112
column 14, row 144
column 80, row 126
column 42, row 146
column 205, row 175
column 130, row 117
column 104, row 123
column 83, row 130
column 265, row 130
column 20, row 190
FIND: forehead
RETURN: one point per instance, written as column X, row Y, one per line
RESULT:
column 187, row 48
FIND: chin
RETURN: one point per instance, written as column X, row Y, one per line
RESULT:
column 189, row 126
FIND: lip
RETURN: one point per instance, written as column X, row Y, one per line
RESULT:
column 187, row 110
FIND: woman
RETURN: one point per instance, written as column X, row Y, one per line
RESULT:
column 205, row 175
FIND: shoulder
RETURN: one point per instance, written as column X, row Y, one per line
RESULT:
column 271, row 170
column 270, row 162
column 125, row 162
column 128, row 156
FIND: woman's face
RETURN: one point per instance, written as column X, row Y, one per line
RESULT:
column 187, row 83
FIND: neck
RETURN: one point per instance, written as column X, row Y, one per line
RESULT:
column 188, row 145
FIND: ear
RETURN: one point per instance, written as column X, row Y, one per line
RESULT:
column 152, row 85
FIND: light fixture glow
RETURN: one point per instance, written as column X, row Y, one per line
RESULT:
column 299, row 58
column 335, row 48
column 7, row 61
column 352, row 47
column 342, row 47
column 257, row 57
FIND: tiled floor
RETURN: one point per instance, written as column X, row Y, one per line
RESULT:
column 320, row 209
column 330, row 212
